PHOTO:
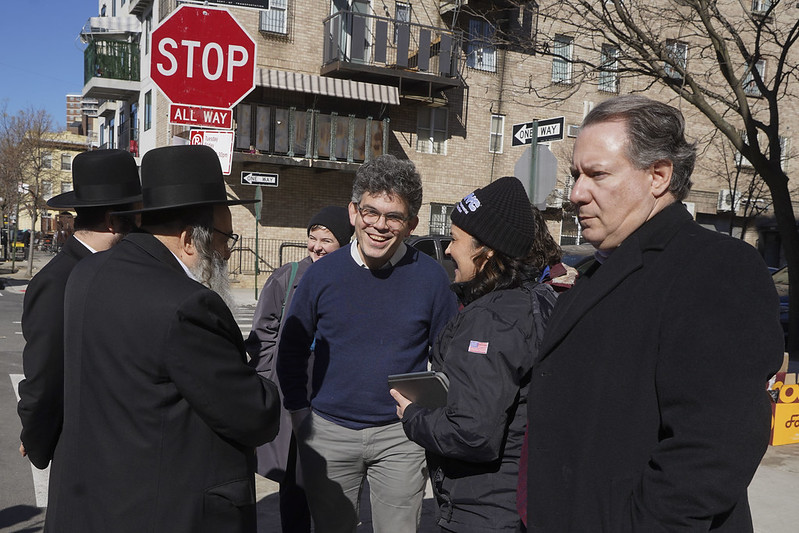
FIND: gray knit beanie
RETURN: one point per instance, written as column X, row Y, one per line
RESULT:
column 500, row 216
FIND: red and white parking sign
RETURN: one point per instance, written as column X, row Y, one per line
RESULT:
column 222, row 143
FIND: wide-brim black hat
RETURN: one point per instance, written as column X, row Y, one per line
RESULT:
column 101, row 178
column 182, row 176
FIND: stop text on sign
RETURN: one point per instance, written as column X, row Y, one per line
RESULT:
column 215, row 59
column 202, row 57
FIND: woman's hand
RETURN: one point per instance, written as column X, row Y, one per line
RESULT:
column 402, row 402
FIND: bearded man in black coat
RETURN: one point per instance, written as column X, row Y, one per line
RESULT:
column 103, row 181
column 161, row 411
column 648, row 410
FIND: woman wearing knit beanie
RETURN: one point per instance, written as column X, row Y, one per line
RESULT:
column 487, row 351
column 328, row 230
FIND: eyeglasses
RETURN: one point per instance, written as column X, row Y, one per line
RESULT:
column 232, row 238
column 394, row 221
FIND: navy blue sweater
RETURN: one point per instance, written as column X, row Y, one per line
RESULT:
column 368, row 324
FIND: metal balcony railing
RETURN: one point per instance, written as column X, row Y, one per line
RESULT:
column 362, row 39
column 118, row 60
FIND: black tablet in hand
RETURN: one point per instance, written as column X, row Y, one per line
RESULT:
column 426, row 389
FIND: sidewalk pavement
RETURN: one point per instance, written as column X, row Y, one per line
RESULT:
column 772, row 493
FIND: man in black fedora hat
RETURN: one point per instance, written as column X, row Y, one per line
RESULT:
column 103, row 181
column 162, row 412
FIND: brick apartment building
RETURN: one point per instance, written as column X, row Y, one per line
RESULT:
column 341, row 81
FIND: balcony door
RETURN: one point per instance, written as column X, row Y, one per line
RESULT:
column 354, row 29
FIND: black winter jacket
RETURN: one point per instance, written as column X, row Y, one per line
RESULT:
column 474, row 443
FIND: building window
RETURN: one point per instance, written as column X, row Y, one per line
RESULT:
column 439, row 219
column 740, row 160
column 66, row 186
column 609, row 66
column 273, row 20
column 497, row 127
column 761, row 6
column 677, row 53
column 562, row 59
column 402, row 14
column 66, row 162
column 481, row 52
column 47, row 160
column 148, row 29
column 431, row 130
column 46, row 189
column 750, row 86
column 148, row 110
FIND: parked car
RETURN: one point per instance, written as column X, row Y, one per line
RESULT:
column 579, row 256
column 434, row 246
column 780, row 278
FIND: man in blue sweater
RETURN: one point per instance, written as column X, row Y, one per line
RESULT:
column 374, row 309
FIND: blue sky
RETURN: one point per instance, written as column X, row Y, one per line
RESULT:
column 41, row 56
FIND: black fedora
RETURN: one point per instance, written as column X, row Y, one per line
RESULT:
column 101, row 178
column 182, row 176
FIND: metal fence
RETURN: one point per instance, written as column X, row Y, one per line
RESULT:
column 271, row 253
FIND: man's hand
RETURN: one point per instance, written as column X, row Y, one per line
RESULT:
column 22, row 451
column 402, row 402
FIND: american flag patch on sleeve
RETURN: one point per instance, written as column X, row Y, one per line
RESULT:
column 478, row 347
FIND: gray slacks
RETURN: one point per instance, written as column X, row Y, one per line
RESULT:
column 336, row 460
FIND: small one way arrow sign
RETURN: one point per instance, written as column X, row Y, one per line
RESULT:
column 259, row 178
column 550, row 129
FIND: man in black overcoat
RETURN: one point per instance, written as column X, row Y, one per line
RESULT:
column 103, row 181
column 161, row 411
column 648, row 410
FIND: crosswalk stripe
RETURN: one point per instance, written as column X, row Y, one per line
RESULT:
column 41, row 478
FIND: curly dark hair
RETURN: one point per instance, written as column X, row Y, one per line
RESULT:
column 545, row 249
column 395, row 177
column 499, row 271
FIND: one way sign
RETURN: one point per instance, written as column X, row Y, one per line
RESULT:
column 259, row 178
column 550, row 129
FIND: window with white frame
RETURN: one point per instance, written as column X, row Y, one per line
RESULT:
column 47, row 160
column 740, row 160
column 480, row 49
column 761, row 6
column 402, row 15
column 46, row 189
column 497, row 127
column 148, row 110
column 562, row 48
column 66, row 186
column 750, row 86
column 148, row 29
column 609, row 67
column 66, row 161
column 431, row 130
column 273, row 20
column 678, row 58
column 784, row 154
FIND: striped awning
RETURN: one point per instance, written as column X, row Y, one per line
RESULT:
column 309, row 83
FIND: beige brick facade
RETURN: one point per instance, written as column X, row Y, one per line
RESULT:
column 518, row 88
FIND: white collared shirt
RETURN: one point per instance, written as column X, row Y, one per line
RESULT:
column 399, row 254
column 92, row 250
column 185, row 268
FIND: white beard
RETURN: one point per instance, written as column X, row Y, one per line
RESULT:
column 213, row 273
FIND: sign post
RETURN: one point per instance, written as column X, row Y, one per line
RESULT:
column 539, row 174
column 259, row 197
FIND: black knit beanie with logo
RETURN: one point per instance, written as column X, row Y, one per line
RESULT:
column 337, row 220
column 500, row 216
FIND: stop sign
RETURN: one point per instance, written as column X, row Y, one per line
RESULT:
column 202, row 56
